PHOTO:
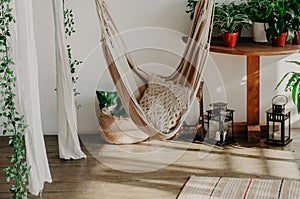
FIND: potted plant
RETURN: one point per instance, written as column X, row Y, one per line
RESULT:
column 191, row 4
column 230, row 20
column 116, row 126
column 258, row 12
column 294, row 12
column 279, row 31
column 293, row 85
column 110, row 103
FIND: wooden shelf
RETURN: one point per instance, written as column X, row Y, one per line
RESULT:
column 253, row 51
column 246, row 46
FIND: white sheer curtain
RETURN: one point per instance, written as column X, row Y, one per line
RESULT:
column 28, row 93
column 69, row 147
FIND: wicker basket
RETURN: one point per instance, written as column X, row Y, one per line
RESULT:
column 120, row 130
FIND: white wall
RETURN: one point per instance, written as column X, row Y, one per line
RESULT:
column 129, row 14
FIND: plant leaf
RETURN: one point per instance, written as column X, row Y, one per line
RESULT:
column 282, row 79
column 294, row 62
column 292, row 81
column 295, row 92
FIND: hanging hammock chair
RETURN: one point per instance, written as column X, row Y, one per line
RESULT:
column 157, row 105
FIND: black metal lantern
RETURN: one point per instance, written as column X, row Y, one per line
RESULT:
column 278, row 122
column 220, row 115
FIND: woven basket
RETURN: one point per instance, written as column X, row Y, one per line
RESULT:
column 120, row 130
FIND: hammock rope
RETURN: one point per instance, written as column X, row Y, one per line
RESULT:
column 133, row 87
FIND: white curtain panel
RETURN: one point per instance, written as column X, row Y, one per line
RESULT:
column 28, row 94
column 69, row 147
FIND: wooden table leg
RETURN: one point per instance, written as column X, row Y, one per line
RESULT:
column 253, row 75
column 253, row 65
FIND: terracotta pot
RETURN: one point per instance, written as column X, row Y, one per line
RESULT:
column 280, row 41
column 296, row 40
column 230, row 39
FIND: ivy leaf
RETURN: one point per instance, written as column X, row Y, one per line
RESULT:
column 7, row 179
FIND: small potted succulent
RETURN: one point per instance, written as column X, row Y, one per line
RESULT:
column 258, row 12
column 279, row 31
column 229, row 19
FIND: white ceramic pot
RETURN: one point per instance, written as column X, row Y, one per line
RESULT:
column 259, row 32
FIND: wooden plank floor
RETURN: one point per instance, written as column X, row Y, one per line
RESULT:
column 91, row 179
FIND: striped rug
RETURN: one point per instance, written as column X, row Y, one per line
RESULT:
column 239, row 188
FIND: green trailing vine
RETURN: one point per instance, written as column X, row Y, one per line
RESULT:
column 69, row 31
column 13, row 123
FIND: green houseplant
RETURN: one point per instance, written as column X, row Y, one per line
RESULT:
column 279, row 31
column 116, row 127
column 110, row 103
column 258, row 12
column 294, row 12
column 191, row 4
column 293, row 85
column 230, row 20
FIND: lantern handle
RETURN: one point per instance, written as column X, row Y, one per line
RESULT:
column 277, row 96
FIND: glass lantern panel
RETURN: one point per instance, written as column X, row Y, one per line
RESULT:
column 275, row 130
column 215, row 129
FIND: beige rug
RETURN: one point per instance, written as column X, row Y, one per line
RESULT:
column 239, row 188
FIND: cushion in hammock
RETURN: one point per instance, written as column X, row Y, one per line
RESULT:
column 163, row 103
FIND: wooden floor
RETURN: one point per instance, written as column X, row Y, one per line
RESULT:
column 91, row 179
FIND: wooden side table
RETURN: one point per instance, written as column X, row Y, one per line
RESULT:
column 253, row 51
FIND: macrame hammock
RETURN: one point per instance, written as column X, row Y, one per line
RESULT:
column 157, row 105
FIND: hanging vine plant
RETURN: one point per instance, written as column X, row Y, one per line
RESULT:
column 69, row 31
column 13, row 123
